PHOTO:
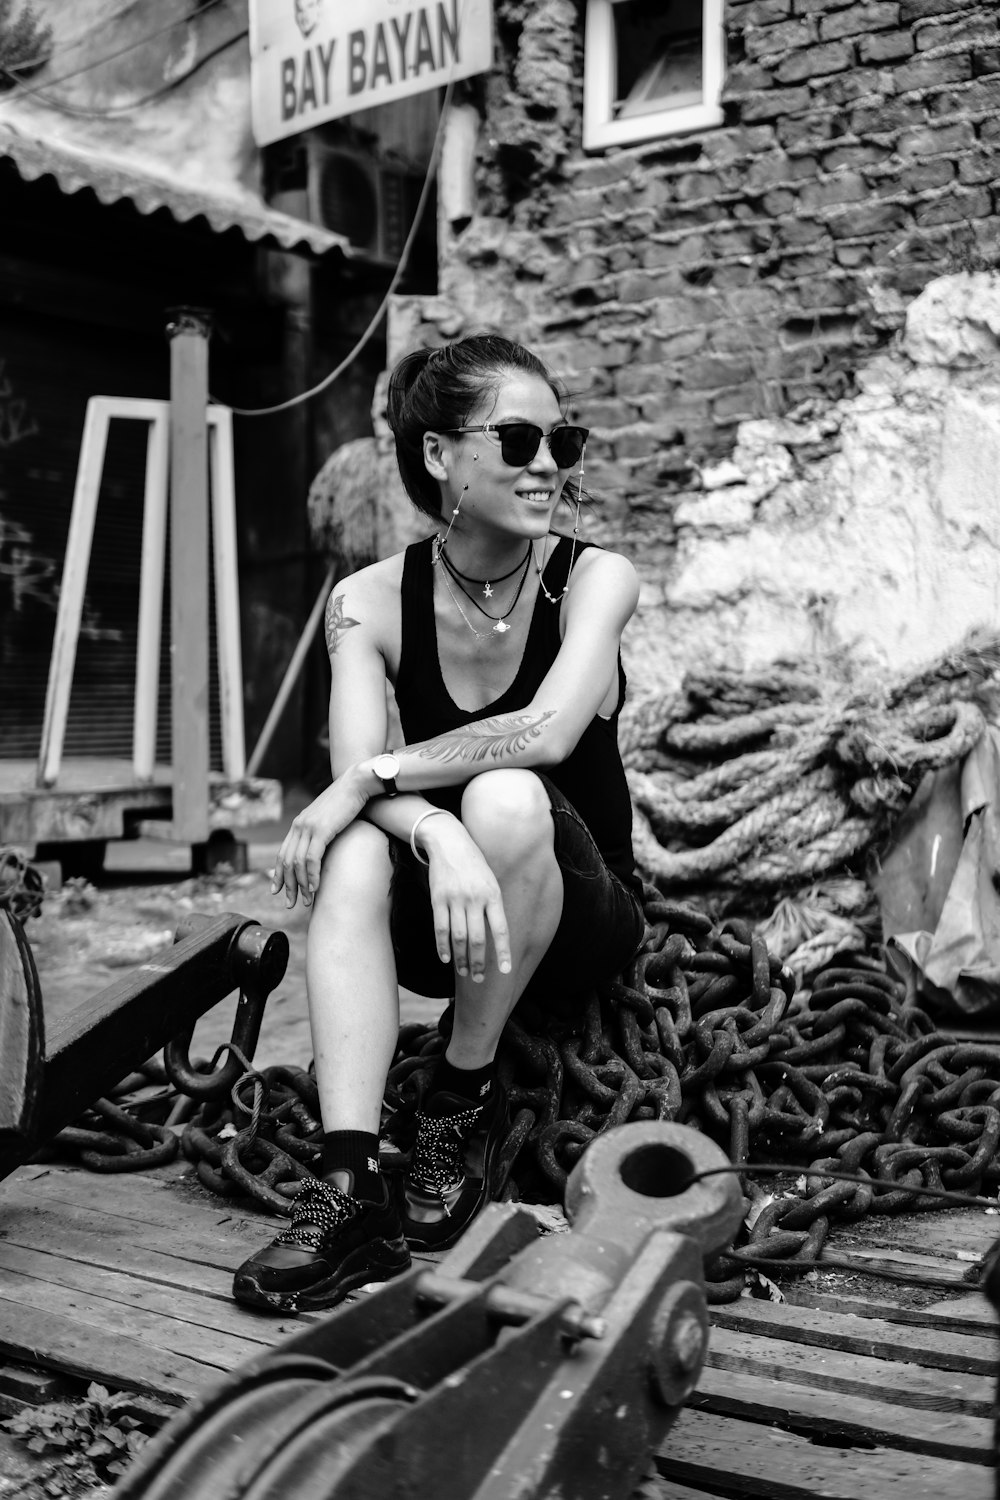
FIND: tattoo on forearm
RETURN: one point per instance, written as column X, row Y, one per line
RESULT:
column 505, row 735
column 336, row 622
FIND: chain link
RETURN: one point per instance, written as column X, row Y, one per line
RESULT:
column 706, row 1028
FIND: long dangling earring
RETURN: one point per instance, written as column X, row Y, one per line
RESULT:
column 579, row 494
column 555, row 598
column 439, row 540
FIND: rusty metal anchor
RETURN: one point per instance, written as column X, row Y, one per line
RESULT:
column 521, row 1366
column 46, row 1082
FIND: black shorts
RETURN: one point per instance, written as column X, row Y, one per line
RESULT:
column 599, row 931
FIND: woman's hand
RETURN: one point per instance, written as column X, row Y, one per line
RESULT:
column 465, row 899
column 297, row 866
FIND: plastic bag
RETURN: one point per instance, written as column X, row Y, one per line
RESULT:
column 944, row 869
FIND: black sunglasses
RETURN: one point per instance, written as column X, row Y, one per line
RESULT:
column 520, row 441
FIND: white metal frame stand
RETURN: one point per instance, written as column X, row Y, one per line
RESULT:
column 100, row 412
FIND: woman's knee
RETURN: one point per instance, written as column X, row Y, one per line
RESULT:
column 357, row 868
column 508, row 811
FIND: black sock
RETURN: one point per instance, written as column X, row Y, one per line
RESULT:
column 353, row 1151
column 474, row 1084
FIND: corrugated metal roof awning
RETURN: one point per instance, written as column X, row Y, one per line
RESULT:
column 113, row 180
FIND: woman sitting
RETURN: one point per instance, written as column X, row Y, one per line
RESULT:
column 487, row 858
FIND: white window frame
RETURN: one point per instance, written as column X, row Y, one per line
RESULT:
column 600, row 128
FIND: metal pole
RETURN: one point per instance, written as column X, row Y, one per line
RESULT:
column 188, row 332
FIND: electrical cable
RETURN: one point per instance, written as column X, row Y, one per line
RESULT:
column 79, row 112
column 266, row 411
column 70, row 44
column 401, row 264
column 787, row 1169
column 938, row 1283
column 24, row 93
column 829, row 1263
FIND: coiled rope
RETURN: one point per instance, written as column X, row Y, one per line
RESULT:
column 766, row 781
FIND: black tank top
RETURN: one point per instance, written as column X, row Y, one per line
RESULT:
column 591, row 777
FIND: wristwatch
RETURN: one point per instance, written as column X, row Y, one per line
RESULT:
column 386, row 768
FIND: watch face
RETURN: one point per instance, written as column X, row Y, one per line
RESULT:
column 386, row 767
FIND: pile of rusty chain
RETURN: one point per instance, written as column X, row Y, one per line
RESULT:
column 264, row 1146
column 129, row 1132
column 707, row 1028
column 258, row 1143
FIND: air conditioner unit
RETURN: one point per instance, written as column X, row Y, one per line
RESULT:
column 368, row 202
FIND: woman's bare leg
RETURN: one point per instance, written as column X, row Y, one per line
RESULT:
column 509, row 816
column 351, row 980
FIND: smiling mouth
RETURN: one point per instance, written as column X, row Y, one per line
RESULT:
column 540, row 497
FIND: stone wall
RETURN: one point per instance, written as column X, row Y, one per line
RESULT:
column 868, row 535
column 694, row 282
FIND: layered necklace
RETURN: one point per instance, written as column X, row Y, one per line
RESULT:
column 499, row 622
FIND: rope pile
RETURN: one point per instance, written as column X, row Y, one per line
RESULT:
column 750, row 784
column 22, row 887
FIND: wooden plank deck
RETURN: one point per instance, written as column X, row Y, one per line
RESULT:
column 853, row 1388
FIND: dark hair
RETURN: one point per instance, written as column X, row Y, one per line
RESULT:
column 435, row 390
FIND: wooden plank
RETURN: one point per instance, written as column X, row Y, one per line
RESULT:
column 195, row 1253
column 80, row 1236
column 59, row 1342
column 763, row 1463
column 972, row 1307
column 970, row 1313
column 933, row 1348
column 853, row 1374
column 221, row 1351
column 943, row 1234
column 176, row 1200
column 855, row 1420
column 152, row 574
column 202, row 1310
column 907, row 1263
column 76, row 564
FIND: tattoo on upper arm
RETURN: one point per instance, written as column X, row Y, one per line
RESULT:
column 336, row 622
column 505, row 735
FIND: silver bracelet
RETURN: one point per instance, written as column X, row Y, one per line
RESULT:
column 413, row 833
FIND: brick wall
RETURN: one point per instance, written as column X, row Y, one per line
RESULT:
column 687, row 283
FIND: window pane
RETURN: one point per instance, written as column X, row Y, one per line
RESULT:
column 658, row 55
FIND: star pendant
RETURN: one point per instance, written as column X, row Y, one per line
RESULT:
column 488, row 590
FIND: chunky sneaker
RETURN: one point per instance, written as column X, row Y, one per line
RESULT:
column 334, row 1243
column 454, row 1170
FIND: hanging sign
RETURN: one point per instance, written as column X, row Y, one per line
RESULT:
column 316, row 60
